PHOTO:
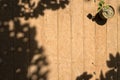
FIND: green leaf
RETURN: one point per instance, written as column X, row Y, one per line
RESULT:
column 100, row 4
column 99, row 9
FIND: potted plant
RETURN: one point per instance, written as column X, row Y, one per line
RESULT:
column 105, row 11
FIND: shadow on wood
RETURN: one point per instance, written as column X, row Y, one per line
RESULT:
column 84, row 76
column 20, row 56
column 10, row 9
column 18, row 48
column 119, row 9
column 112, row 74
column 97, row 19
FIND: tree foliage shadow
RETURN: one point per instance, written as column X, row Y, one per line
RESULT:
column 17, row 49
column 10, row 9
column 84, row 76
column 97, row 19
column 20, row 56
column 112, row 74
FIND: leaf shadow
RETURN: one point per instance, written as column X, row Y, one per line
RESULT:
column 112, row 74
column 20, row 56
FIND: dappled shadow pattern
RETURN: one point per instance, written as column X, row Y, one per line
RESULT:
column 19, row 54
column 10, row 9
column 97, row 19
column 114, row 65
column 112, row 74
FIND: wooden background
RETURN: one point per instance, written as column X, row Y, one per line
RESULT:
column 75, row 44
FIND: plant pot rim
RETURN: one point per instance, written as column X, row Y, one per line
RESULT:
column 103, row 16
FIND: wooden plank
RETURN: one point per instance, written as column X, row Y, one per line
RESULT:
column 64, row 43
column 89, row 39
column 112, row 28
column 77, row 38
column 50, row 42
column 101, row 47
column 118, row 33
column 100, row 50
column 112, row 31
column 118, row 25
column 6, row 54
column 38, row 42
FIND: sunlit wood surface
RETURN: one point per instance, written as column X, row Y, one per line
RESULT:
column 75, row 44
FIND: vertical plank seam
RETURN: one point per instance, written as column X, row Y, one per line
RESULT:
column 71, row 36
column 95, row 45
column 13, row 45
column 83, row 40
column 106, row 25
column 117, row 24
column 106, row 39
column 83, row 37
column 117, row 35
column 29, row 47
column 58, row 44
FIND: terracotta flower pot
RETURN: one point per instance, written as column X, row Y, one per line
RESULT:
column 107, row 12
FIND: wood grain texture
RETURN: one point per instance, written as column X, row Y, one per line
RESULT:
column 64, row 43
column 112, row 30
column 89, row 39
column 50, row 42
column 118, row 16
column 101, row 46
column 73, row 43
column 77, row 38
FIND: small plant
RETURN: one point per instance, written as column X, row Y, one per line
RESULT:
column 100, row 5
column 105, row 11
